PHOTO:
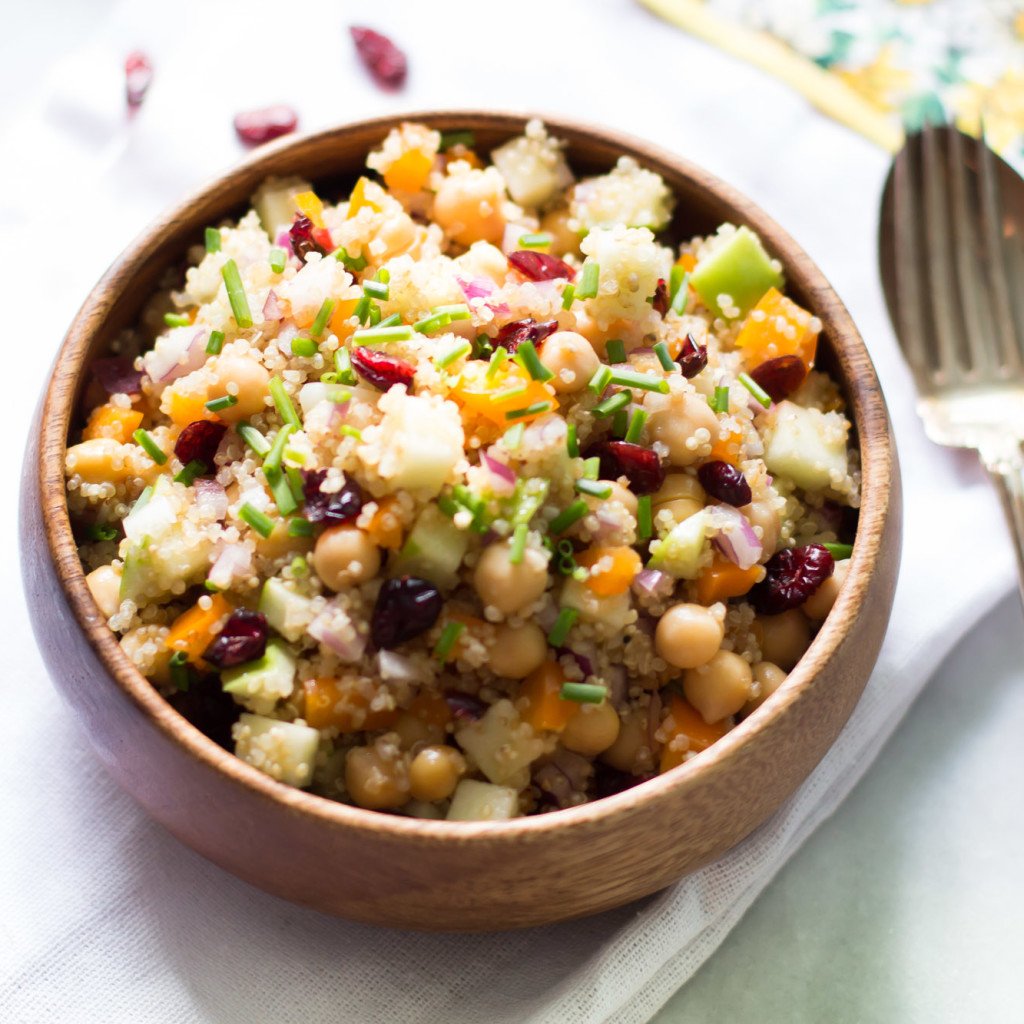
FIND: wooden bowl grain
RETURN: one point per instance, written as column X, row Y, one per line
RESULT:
column 405, row 872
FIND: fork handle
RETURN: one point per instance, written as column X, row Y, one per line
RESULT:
column 1008, row 475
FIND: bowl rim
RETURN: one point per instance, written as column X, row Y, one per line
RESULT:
column 866, row 409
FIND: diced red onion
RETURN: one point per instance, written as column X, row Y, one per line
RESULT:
column 117, row 375
column 211, row 498
column 176, row 353
column 233, row 562
column 475, row 287
column 272, row 308
column 397, row 668
column 503, row 480
column 586, row 666
column 510, row 239
column 284, row 338
column 653, row 583
column 332, row 628
column 734, row 536
column 284, row 241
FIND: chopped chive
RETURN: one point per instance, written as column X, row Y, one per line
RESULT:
column 681, row 296
column 351, row 262
column 375, row 335
column 591, row 468
column 644, row 517
column 463, row 348
column 190, row 471
column 215, row 344
column 300, row 527
column 517, row 549
column 322, row 316
column 589, row 280
column 839, row 551
column 512, row 392
column 447, row 504
column 430, row 323
column 568, row 294
column 299, row 567
column 664, row 357
column 526, row 356
column 383, row 275
column 375, row 315
column 211, row 587
column 331, row 377
column 376, row 289
column 461, row 138
column 499, row 357
column 601, row 379
column 560, row 630
column 571, row 444
column 613, row 403
column 211, row 236
column 620, row 423
column 296, row 483
column 447, row 640
column 180, row 675
column 102, row 531
column 362, row 309
column 294, row 456
column 584, row 693
column 278, row 259
column 305, row 347
column 280, row 488
column 254, row 439
column 594, row 488
column 283, row 404
column 224, row 402
column 540, row 240
column 573, row 514
column 455, row 311
column 143, row 499
column 513, row 437
column 760, row 395
column 236, row 294
column 391, row 321
column 145, row 439
column 276, row 452
column 349, row 431
column 343, row 364
column 720, row 401
column 176, row 320
column 258, row 520
column 636, row 426
column 531, row 410
column 482, row 347
column 643, row 381
column 616, row 350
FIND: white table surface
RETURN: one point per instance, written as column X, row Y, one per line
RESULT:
column 906, row 906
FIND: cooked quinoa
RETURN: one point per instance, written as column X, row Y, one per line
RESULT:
column 472, row 494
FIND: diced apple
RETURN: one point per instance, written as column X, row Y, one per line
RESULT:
column 289, row 613
column 482, row 801
column 260, row 684
column 681, row 552
column 434, row 549
column 502, row 745
column 737, row 266
column 273, row 202
column 286, row 751
column 421, row 440
column 807, row 445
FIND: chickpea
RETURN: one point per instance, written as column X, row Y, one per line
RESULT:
column 783, row 638
column 769, row 678
column 819, row 604
column 623, row 495
column 249, row 382
column 563, row 239
column 592, row 730
column 507, row 586
column 280, row 543
column 376, row 777
column 345, row 556
column 398, row 233
column 99, row 460
column 435, row 772
column 719, row 688
column 517, row 650
column 414, row 731
column 763, row 514
column 104, row 584
column 571, row 358
column 630, row 752
column 679, row 485
column 468, row 206
column 676, row 422
column 689, row 635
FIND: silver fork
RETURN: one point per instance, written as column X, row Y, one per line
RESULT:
column 951, row 249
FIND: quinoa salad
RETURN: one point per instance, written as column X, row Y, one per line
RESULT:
column 472, row 493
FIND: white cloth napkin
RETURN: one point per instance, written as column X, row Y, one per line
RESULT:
column 106, row 918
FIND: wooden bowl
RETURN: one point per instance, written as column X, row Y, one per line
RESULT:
column 405, row 872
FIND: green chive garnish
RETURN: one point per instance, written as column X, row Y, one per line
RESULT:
column 589, row 280
column 531, row 410
column 568, row 294
column 180, row 675
column 280, row 488
column 462, row 138
column 176, row 320
column 762, row 397
column 616, row 350
column 278, row 259
column 573, row 514
column 276, row 452
column 343, row 364
column 145, row 440
column 601, row 379
column 513, row 437
column 839, row 551
column 143, row 499
column 571, row 444
column 391, row 321
column 211, row 587
column 644, row 517
column 541, row 240
column 583, row 693
column 362, row 309
column 305, row 347
column 447, row 640
column 254, row 439
column 322, row 316
column 375, row 315
column 376, row 289
column 643, row 381
column 482, row 347
column 224, row 402
column 613, row 403
column 720, row 402
column 457, row 351
column 560, row 630
column 296, row 483
column 500, row 355
column 636, row 426
column 620, row 423
column 664, row 357
column 299, row 567
column 430, row 323
column 212, row 238
column 350, row 431
column 189, row 472
column 382, row 335
column 260, row 522
column 517, row 549
column 504, row 396
column 526, row 356
column 102, row 531
column 594, row 487
column 283, row 404
column 215, row 344
column 236, row 294
column 679, row 291
column 591, row 468
column 299, row 527
column 351, row 262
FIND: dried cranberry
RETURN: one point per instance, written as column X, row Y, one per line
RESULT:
column 118, row 376
column 660, row 300
column 199, row 442
column 406, row 607
column 340, row 507
column 792, row 576
column 539, row 266
column 780, row 377
column 243, row 638
column 302, row 236
column 464, row 706
column 138, row 74
column 382, row 58
column 512, row 335
column 208, row 708
column 641, row 466
column 254, row 127
column 380, row 370
column 724, row 483
column 692, row 357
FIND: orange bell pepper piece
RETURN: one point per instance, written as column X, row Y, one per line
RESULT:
column 682, row 720
column 358, row 199
column 112, row 421
column 310, row 205
column 728, row 449
column 510, row 390
column 777, row 326
column 687, row 261
column 184, row 409
column 542, row 694
column 409, row 172
column 344, row 704
column 343, row 309
column 385, row 528
column 431, row 708
column 193, row 631
column 614, row 577
column 722, row 579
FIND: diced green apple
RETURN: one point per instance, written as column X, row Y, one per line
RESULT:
column 806, row 445
column 737, row 266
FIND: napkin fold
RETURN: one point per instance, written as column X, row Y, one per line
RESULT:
column 107, row 918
